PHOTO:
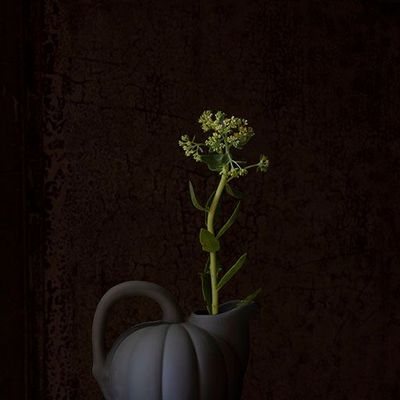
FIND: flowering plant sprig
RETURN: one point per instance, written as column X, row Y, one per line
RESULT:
column 225, row 136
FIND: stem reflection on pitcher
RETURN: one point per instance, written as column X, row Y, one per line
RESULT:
column 226, row 134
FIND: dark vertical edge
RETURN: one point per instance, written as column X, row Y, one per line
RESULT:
column 12, row 300
column 23, row 109
column 33, row 173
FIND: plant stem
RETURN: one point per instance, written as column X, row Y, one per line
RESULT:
column 210, row 228
column 252, row 166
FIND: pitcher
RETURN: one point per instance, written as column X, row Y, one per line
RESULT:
column 202, row 358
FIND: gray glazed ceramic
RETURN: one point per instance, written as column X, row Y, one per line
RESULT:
column 202, row 358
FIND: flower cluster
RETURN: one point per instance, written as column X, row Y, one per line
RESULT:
column 237, row 172
column 206, row 121
column 263, row 164
column 241, row 137
column 224, row 134
column 190, row 147
column 215, row 143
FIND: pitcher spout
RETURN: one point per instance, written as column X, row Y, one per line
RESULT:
column 231, row 325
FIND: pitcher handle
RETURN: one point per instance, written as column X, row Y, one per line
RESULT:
column 170, row 314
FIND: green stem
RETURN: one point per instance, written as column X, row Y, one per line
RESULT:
column 210, row 228
column 252, row 166
column 248, row 167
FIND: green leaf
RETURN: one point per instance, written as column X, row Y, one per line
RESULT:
column 217, row 211
column 215, row 161
column 230, row 221
column 234, row 192
column 250, row 297
column 207, row 266
column 210, row 199
column 232, row 271
column 208, row 207
column 208, row 241
column 195, row 203
column 206, row 289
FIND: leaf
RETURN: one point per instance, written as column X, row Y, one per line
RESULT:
column 217, row 211
column 210, row 199
column 206, row 290
column 208, row 206
column 232, row 271
column 208, row 241
column 214, row 161
column 250, row 297
column 230, row 221
column 207, row 266
column 233, row 192
column 195, row 203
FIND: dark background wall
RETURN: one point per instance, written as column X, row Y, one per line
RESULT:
column 12, row 227
column 110, row 86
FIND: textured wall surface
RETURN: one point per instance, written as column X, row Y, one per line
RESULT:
column 319, row 82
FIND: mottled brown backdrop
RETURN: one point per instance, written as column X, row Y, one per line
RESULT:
column 109, row 86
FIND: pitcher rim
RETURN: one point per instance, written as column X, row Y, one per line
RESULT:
column 235, row 308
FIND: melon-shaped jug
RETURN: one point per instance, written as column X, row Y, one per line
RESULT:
column 202, row 358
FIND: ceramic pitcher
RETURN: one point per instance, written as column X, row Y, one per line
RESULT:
column 201, row 358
